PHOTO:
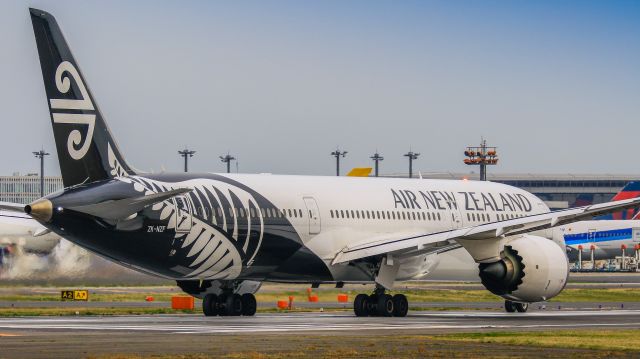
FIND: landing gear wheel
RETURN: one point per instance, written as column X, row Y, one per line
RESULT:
column 521, row 307
column 236, row 304
column 230, row 305
column 372, row 304
column 400, row 305
column 249, row 304
column 210, row 305
column 384, row 305
column 223, row 308
column 509, row 306
column 361, row 305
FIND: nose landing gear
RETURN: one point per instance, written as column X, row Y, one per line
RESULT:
column 380, row 304
column 511, row 307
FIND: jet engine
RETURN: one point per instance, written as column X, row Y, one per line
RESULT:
column 531, row 269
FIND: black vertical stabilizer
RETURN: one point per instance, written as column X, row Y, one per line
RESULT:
column 86, row 149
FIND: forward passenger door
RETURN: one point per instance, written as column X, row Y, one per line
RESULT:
column 313, row 213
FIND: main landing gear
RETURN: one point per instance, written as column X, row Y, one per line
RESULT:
column 229, row 304
column 380, row 304
column 511, row 307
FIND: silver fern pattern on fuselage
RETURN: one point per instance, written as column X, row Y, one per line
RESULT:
column 227, row 223
column 224, row 235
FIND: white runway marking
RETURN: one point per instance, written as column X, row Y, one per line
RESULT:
column 193, row 324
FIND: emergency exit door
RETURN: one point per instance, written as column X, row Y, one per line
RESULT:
column 313, row 213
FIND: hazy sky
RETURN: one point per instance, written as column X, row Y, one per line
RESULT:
column 280, row 84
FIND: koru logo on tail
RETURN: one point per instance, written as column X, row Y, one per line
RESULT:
column 76, row 147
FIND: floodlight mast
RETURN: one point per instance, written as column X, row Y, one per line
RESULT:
column 376, row 159
column 227, row 159
column 482, row 156
column 337, row 153
column 40, row 154
column 186, row 153
column 412, row 156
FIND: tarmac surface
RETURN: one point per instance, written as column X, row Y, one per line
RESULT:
column 289, row 335
column 333, row 334
column 486, row 306
column 422, row 322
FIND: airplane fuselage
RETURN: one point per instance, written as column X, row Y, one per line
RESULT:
column 607, row 238
column 280, row 228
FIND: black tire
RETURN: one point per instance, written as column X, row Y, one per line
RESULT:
column 400, row 305
column 384, row 306
column 236, row 304
column 372, row 304
column 361, row 305
column 521, row 307
column 509, row 306
column 249, row 304
column 230, row 305
column 222, row 305
column 210, row 305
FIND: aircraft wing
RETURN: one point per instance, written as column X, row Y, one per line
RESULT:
column 407, row 245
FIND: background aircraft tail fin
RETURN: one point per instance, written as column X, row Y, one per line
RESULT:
column 86, row 150
column 630, row 190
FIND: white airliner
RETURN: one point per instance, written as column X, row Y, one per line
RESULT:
column 21, row 232
column 213, row 233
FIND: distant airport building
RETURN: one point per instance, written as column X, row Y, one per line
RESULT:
column 26, row 188
column 557, row 190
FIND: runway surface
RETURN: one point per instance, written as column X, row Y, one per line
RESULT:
column 486, row 306
column 422, row 322
column 290, row 335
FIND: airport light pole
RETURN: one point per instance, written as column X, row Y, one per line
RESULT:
column 412, row 156
column 186, row 154
column 227, row 159
column 40, row 154
column 337, row 153
column 482, row 156
column 376, row 158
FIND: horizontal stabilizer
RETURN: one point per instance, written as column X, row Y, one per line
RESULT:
column 123, row 208
column 12, row 207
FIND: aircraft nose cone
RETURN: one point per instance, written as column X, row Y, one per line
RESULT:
column 496, row 270
column 41, row 209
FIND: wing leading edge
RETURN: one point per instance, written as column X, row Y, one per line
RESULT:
column 431, row 242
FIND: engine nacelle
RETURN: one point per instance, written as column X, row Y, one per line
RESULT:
column 532, row 269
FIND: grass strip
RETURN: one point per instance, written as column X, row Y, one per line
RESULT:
column 625, row 340
column 619, row 295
